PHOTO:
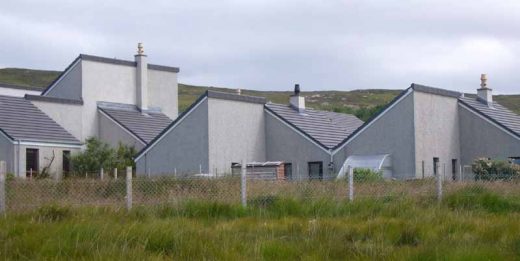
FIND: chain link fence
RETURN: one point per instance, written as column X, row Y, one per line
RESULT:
column 126, row 191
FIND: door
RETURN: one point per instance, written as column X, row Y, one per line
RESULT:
column 66, row 162
column 454, row 169
column 316, row 170
column 435, row 166
column 31, row 162
column 287, row 171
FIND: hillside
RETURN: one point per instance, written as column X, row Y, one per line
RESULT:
column 27, row 77
column 362, row 103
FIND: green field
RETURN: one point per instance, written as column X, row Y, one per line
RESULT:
column 471, row 224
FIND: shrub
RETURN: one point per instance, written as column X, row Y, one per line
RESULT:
column 367, row 175
column 100, row 155
column 486, row 169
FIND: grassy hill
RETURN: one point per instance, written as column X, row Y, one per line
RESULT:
column 362, row 103
column 27, row 77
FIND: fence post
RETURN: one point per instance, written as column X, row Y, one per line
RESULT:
column 243, row 187
column 101, row 173
column 439, row 187
column 3, row 171
column 115, row 173
column 128, row 188
column 350, row 183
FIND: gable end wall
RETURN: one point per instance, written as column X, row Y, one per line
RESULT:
column 480, row 138
column 183, row 150
column 393, row 133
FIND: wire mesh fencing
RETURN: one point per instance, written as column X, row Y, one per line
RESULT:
column 126, row 190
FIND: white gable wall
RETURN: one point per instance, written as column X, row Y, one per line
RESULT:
column 236, row 132
column 163, row 92
column 436, row 120
column 104, row 82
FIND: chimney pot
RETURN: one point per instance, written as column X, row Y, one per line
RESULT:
column 483, row 81
column 296, row 101
column 140, row 49
column 296, row 89
column 484, row 93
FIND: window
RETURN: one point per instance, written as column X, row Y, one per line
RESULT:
column 31, row 162
column 316, row 170
column 66, row 162
column 454, row 169
column 435, row 166
column 287, row 171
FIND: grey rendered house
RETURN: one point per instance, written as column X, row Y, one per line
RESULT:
column 112, row 99
column 222, row 129
column 31, row 142
column 117, row 101
column 427, row 131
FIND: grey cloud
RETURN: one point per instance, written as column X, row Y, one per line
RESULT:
column 272, row 44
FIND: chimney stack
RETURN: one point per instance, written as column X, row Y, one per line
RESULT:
column 484, row 93
column 296, row 101
column 141, row 78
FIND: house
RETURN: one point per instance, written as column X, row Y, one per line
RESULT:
column 117, row 101
column 114, row 100
column 17, row 90
column 427, row 131
column 31, row 142
column 221, row 129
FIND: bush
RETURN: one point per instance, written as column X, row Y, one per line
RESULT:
column 486, row 169
column 367, row 175
column 100, row 155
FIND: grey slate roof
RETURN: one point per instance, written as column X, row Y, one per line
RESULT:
column 21, row 120
column 327, row 128
column 497, row 113
column 145, row 125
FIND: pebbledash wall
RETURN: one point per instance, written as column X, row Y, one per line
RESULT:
column 437, row 133
column 236, row 132
column 392, row 133
column 486, row 139
column 215, row 133
column 181, row 156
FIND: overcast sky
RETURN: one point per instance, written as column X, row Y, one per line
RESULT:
column 272, row 44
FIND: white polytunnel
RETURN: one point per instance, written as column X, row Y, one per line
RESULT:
column 381, row 162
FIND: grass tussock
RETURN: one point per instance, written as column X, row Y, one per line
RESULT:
column 468, row 225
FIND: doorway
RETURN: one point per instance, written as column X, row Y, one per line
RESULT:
column 31, row 162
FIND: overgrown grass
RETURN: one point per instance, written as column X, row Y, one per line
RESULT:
column 468, row 225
